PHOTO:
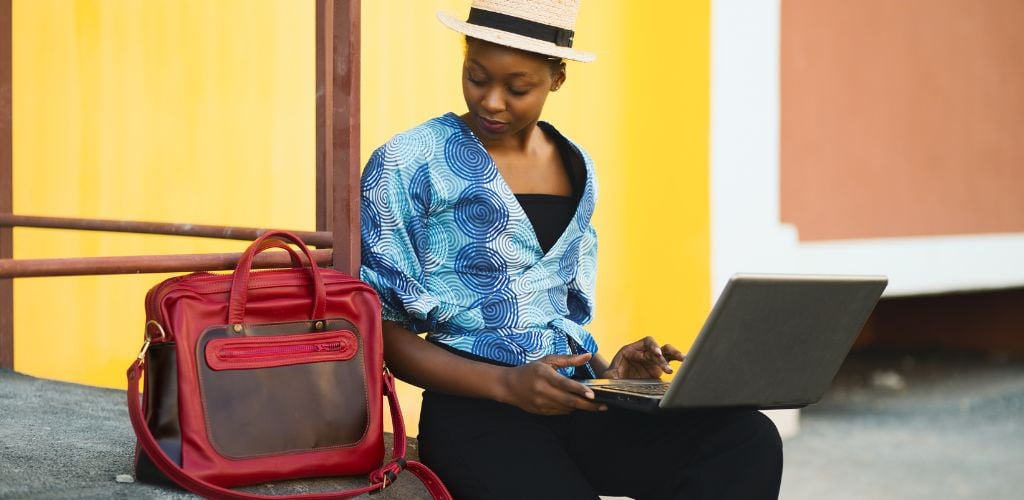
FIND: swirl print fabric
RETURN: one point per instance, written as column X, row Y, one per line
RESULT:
column 452, row 253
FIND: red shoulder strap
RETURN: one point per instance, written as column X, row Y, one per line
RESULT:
column 379, row 479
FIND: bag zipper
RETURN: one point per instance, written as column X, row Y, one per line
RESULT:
column 255, row 352
column 240, row 353
column 220, row 283
column 156, row 294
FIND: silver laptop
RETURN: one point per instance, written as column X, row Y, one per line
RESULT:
column 771, row 341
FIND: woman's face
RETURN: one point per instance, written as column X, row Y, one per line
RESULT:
column 505, row 88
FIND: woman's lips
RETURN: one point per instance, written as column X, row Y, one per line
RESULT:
column 491, row 126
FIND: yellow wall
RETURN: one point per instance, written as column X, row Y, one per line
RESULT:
column 641, row 110
column 200, row 111
column 170, row 110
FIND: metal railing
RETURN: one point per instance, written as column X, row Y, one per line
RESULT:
column 337, row 182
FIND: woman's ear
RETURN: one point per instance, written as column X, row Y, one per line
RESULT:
column 559, row 79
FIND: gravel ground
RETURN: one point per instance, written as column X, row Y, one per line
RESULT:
column 913, row 427
column 63, row 441
column 901, row 427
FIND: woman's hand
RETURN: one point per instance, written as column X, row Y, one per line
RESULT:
column 537, row 388
column 642, row 359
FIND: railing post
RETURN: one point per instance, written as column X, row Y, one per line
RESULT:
column 6, row 191
column 338, row 128
column 324, row 119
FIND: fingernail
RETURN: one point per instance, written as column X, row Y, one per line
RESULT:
column 603, row 408
column 589, row 395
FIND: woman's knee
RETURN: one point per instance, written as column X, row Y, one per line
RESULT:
column 754, row 433
column 767, row 440
column 752, row 466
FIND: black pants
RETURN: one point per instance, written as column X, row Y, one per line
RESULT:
column 485, row 449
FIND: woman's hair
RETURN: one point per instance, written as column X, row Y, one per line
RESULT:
column 556, row 64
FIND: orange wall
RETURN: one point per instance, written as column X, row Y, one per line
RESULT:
column 902, row 118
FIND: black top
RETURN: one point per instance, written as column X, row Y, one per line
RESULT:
column 548, row 213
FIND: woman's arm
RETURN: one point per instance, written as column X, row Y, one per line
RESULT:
column 535, row 387
column 599, row 365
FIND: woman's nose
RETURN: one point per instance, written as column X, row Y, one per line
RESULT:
column 493, row 101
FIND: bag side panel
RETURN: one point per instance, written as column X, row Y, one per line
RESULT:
column 161, row 407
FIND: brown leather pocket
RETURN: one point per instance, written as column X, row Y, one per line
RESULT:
column 282, row 388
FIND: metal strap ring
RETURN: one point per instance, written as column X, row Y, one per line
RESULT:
column 163, row 334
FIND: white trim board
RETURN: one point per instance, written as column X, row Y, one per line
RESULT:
column 746, row 233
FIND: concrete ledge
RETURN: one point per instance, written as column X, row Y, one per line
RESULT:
column 60, row 440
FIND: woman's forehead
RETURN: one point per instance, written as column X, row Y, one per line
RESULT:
column 505, row 71
column 505, row 61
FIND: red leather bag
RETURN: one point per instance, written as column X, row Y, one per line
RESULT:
column 256, row 377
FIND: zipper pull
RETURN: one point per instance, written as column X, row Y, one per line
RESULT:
column 333, row 346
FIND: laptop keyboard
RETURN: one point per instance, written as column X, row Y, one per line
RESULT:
column 649, row 389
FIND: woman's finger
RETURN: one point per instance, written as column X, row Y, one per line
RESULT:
column 644, row 350
column 573, row 387
column 575, row 402
column 651, row 345
column 656, row 356
column 671, row 353
column 561, row 387
column 562, row 361
column 567, row 395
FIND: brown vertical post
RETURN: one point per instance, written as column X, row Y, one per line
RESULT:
column 6, row 189
column 338, row 128
column 346, row 130
column 324, row 119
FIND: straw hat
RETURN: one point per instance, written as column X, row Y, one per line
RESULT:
column 541, row 26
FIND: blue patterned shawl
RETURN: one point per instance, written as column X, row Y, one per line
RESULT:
column 452, row 253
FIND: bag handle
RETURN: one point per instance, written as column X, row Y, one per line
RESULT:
column 379, row 479
column 296, row 258
column 240, row 280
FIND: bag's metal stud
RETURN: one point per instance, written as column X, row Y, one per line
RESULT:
column 319, row 325
column 237, row 328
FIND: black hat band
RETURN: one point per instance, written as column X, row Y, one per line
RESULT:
column 539, row 31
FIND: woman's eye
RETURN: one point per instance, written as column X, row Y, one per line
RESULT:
column 475, row 81
column 519, row 92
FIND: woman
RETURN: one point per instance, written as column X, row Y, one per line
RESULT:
column 476, row 230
